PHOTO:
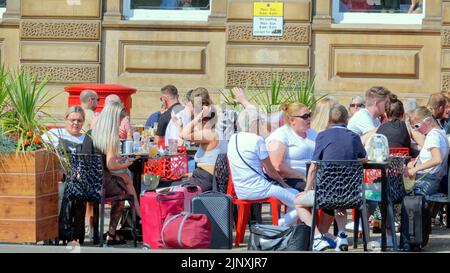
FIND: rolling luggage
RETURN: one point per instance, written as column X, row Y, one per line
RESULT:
column 189, row 192
column 415, row 226
column 218, row 207
column 154, row 208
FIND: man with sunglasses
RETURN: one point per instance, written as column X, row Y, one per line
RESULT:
column 437, row 105
column 365, row 122
column 89, row 102
column 169, row 100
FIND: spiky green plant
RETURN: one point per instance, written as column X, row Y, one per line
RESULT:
column 303, row 92
column 3, row 92
column 270, row 97
column 229, row 99
column 24, row 122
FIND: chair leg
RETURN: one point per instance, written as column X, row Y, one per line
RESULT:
column 446, row 214
column 313, row 226
column 392, row 225
column 102, row 221
column 335, row 227
column 243, row 212
column 275, row 207
column 133, row 220
column 357, row 215
column 365, row 227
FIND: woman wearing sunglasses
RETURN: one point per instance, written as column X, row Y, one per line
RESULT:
column 357, row 103
column 292, row 145
column 432, row 161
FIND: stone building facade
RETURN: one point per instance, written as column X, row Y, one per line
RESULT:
column 93, row 41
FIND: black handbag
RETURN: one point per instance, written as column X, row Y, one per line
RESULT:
column 279, row 238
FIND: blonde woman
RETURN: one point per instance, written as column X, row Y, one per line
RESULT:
column 105, row 137
column 321, row 115
column 292, row 145
column 431, row 165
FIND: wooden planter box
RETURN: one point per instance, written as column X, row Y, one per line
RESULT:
column 28, row 197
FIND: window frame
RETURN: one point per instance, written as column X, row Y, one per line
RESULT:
column 376, row 18
column 163, row 14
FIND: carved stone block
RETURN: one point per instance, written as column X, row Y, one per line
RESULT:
column 46, row 30
column 244, row 77
column 65, row 73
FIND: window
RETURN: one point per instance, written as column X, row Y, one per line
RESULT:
column 190, row 10
column 2, row 7
column 379, row 11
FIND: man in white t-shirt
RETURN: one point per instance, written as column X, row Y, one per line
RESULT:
column 365, row 121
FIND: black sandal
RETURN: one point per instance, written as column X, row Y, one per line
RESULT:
column 114, row 240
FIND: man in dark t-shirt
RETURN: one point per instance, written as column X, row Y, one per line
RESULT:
column 335, row 143
column 169, row 98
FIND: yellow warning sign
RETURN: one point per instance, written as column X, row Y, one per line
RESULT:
column 272, row 9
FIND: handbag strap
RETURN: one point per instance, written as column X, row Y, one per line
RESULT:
column 166, row 223
column 248, row 165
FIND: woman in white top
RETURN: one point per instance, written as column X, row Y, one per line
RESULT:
column 292, row 145
column 431, row 165
column 70, row 135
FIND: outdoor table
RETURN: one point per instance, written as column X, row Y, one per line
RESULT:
column 386, row 202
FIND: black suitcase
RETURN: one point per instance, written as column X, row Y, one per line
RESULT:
column 415, row 225
column 218, row 207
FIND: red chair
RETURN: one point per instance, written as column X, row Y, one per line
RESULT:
column 244, row 210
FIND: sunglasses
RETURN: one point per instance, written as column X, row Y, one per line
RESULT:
column 356, row 105
column 97, row 99
column 419, row 124
column 75, row 120
column 304, row 116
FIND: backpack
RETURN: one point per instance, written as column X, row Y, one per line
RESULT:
column 377, row 141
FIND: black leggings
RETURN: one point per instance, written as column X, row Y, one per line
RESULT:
column 200, row 177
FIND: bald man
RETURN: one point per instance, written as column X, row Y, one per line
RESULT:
column 89, row 101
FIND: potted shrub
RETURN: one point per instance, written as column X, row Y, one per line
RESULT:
column 28, row 168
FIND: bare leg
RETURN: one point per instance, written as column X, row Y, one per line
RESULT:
column 306, row 217
column 341, row 218
column 325, row 223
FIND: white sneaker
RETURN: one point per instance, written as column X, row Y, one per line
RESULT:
column 351, row 226
column 341, row 242
column 320, row 244
column 281, row 222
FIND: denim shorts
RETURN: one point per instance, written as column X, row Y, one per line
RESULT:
column 428, row 185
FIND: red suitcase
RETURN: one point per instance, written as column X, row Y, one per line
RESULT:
column 155, row 207
column 189, row 191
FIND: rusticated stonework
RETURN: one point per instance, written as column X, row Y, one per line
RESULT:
column 65, row 73
column 445, row 83
column 238, row 77
column 60, row 30
column 292, row 33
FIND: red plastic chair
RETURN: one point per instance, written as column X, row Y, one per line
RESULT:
column 244, row 210
column 171, row 167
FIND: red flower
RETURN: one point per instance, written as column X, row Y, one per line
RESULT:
column 30, row 134
column 36, row 140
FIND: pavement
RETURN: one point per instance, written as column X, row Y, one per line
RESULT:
column 439, row 242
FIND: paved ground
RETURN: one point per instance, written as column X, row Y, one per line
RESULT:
column 439, row 242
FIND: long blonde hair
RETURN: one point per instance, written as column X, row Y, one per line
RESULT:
column 105, row 133
column 321, row 114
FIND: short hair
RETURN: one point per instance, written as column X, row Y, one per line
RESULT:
column 87, row 94
column 74, row 109
column 436, row 100
column 290, row 109
column 338, row 114
column 188, row 95
column 359, row 99
column 170, row 91
column 112, row 98
column 376, row 93
column 394, row 107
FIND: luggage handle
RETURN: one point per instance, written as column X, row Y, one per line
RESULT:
column 163, row 196
column 185, row 214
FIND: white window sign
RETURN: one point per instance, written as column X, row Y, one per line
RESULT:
column 268, row 19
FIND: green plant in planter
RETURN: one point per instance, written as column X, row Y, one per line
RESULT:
column 270, row 97
column 228, row 98
column 3, row 92
column 303, row 92
column 24, row 120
